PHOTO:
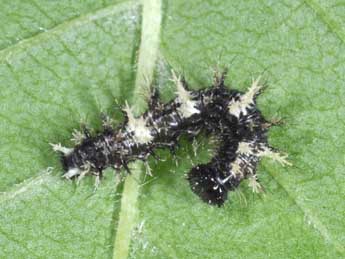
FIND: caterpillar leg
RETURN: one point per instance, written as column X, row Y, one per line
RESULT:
column 86, row 169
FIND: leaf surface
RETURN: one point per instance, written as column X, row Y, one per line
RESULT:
column 49, row 83
column 85, row 58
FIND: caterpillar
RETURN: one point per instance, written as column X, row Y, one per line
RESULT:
column 229, row 115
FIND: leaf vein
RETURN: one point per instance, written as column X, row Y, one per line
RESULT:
column 7, row 52
column 325, row 18
column 317, row 224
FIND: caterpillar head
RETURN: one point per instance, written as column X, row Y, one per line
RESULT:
column 80, row 160
column 69, row 166
column 207, row 181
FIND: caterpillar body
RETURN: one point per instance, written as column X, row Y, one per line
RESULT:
column 231, row 116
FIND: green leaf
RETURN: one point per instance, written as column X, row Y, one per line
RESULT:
column 49, row 83
column 84, row 59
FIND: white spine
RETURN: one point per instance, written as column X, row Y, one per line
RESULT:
column 59, row 148
column 261, row 150
column 187, row 107
column 246, row 100
column 142, row 133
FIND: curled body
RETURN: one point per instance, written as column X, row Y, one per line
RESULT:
column 229, row 115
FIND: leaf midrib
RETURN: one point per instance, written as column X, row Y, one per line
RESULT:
column 148, row 54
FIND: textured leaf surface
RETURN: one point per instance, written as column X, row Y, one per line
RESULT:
column 85, row 58
column 49, row 83
column 302, row 213
column 25, row 19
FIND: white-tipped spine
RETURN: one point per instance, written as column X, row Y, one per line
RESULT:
column 236, row 170
column 240, row 106
column 77, row 137
column 141, row 132
column 254, row 184
column 187, row 107
column 59, row 148
column 262, row 150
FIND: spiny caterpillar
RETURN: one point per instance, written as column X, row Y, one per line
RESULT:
column 229, row 115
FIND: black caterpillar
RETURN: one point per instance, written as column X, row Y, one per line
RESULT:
column 229, row 115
